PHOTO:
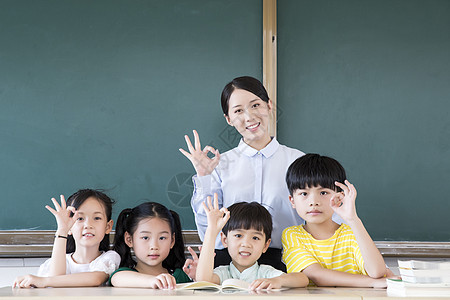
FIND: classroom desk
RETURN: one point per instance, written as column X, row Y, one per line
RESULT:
column 104, row 293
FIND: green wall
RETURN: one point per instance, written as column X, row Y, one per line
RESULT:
column 100, row 94
column 368, row 83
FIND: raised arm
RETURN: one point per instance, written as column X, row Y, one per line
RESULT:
column 344, row 205
column 203, row 187
column 206, row 182
column 65, row 222
column 217, row 218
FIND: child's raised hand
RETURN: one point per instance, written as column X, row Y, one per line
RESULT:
column 190, row 265
column 199, row 158
column 217, row 218
column 344, row 203
column 163, row 281
column 62, row 215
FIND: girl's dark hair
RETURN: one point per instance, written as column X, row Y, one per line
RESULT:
column 76, row 200
column 128, row 221
column 247, row 83
column 244, row 215
column 312, row 170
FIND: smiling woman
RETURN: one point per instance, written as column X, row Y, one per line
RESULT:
column 249, row 114
column 253, row 171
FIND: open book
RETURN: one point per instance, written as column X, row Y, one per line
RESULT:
column 229, row 285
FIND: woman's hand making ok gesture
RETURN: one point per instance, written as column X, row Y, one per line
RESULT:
column 203, row 164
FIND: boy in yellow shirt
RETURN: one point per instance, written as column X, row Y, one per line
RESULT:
column 328, row 253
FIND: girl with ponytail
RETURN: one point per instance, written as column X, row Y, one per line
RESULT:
column 81, row 255
column 153, row 233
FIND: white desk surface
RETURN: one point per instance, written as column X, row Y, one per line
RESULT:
column 104, row 293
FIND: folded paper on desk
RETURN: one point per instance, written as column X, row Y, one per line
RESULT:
column 228, row 286
column 415, row 271
column 397, row 287
column 424, row 264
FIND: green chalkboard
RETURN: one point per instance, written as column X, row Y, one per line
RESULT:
column 368, row 82
column 99, row 94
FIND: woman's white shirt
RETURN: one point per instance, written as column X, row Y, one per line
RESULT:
column 245, row 174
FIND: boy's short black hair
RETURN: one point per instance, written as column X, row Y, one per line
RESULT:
column 313, row 170
column 245, row 215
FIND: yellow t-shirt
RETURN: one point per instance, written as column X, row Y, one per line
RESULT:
column 340, row 252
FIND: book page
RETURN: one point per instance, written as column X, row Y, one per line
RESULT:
column 237, row 284
column 228, row 285
column 199, row 285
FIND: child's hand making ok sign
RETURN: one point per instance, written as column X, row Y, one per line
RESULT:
column 217, row 218
column 343, row 203
column 65, row 215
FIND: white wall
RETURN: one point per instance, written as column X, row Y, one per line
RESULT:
column 10, row 268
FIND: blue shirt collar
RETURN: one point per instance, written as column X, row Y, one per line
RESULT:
column 267, row 151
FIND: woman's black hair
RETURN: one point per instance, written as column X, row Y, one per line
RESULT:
column 76, row 200
column 244, row 215
column 312, row 170
column 128, row 221
column 247, row 83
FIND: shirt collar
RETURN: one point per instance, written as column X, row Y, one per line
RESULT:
column 267, row 151
column 246, row 273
